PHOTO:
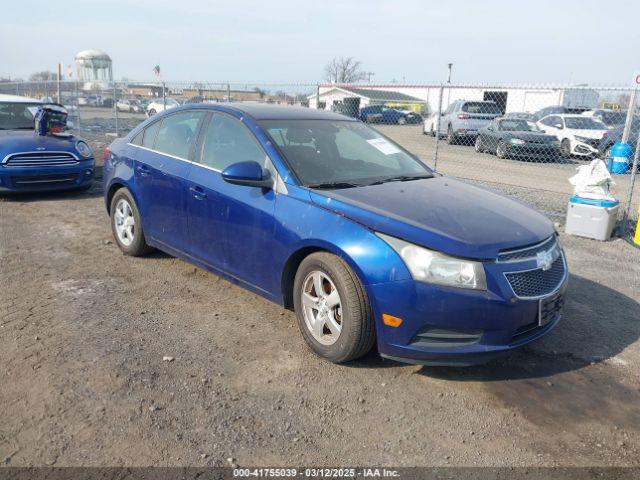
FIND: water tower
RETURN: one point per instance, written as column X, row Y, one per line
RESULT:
column 94, row 69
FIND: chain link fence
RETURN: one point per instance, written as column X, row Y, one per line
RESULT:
column 525, row 141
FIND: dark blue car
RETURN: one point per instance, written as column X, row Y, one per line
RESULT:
column 388, row 115
column 323, row 215
column 30, row 162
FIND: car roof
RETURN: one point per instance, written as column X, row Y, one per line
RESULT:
column 265, row 111
column 17, row 99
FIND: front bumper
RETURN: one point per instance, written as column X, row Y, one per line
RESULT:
column 46, row 179
column 450, row 326
column 534, row 151
column 584, row 149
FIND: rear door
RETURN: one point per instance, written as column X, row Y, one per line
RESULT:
column 163, row 170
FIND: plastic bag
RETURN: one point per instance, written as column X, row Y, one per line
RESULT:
column 593, row 181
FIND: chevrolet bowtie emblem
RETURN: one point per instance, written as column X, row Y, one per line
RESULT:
column 544, row 260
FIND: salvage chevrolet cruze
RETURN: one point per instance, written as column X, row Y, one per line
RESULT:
column 323, row 215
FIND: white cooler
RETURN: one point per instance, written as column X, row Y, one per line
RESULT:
column 591, row 218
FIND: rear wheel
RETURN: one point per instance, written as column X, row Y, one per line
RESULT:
column 479, row 147
column 501, row 150
column 565, row 148
column 127, row 225
column 333, row 312
column 451, row 137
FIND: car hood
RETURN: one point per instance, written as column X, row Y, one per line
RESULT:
column 16, row 141
column 441, row 213
column 533, row 137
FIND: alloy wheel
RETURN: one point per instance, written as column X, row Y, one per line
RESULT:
column 322, row 307
column 124, row 222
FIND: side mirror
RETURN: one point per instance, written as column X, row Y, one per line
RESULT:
column 249, row 174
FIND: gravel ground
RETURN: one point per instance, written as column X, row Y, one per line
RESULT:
column 84, row 379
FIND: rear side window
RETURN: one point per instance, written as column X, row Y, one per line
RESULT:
column 177, row 134
column 481, row 107
column 137, row 140
column 227, row 141
column 150, row 133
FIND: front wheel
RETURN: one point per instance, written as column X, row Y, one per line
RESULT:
column 402, row 120
column 332, row 308
column 152, row 112
column 127, row 225
column 479, row 147
column 565, row 148
column 501, row 150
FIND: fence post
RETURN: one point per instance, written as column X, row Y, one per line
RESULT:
column 630, row 111
column 632, row 181
column 438, row 118
column 164, row 97
column 59, row 74
column 228, row 92
column 317, row 96
column 115, row 106
column 77, row 105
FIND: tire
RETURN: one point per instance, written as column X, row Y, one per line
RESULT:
column 152, row 112
column 136, row 246
column 401, row 121
column 353, row 312
column 451, row 137
column 565, row 148
column 478, row 146
column 501, row 150
column 432, row 131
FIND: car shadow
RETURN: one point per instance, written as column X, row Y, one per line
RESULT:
column 598, row 323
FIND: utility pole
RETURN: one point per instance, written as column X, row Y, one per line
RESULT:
column 450, row 67
column 369, row 75
column 59, row 76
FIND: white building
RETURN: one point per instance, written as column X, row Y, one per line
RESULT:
column 510, row 99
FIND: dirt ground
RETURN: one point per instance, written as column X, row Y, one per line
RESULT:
column 83, row 333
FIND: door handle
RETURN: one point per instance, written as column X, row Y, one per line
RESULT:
column 198, row 193
column 143, row 170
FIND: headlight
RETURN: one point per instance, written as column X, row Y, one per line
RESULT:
column 83, row 149
column 434, row 267
column 517, row 141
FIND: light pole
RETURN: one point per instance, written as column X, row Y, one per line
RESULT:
column 449, row 66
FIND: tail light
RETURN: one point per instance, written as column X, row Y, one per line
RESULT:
column 105, row 153
column 605, row 134
column 463, row 116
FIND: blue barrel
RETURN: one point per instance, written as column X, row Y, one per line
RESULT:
column 620, row 158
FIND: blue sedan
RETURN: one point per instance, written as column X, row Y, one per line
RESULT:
column 32, row 162
column 325, row 216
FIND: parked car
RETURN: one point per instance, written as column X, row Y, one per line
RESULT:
column 611, row 118
column 124, row 105
column 615, row 135
column 521, row 115
column 158, row 105
column 578, row 135
column 516, row 138
column 320, row 213
column 462, row 120
column 30, row 162
column 388, row 115
column 557, row 109
column 93, row 100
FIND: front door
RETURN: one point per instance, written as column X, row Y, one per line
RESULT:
column 231, row 226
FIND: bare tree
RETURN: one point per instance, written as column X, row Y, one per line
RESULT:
column 43, row 76
column 344, row 70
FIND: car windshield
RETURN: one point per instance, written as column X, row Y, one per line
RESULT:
column 341, row 154
column 584, row 123
column 516, row 125
column 613, row 118
column 481, row 107
column 17, row 115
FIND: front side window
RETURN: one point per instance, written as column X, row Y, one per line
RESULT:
column 17, row 115
column 227, row 141
column 332, row 152
column 177, row 134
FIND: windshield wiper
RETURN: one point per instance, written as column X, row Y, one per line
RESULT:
column 401, row 178
column 332, row 185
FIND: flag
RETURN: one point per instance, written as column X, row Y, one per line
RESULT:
column 156, row 70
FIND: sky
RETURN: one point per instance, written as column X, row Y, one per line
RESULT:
column 410, row 41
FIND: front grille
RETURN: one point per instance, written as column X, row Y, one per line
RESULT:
column 528, row 252
column 41, row 159
column 538, row 282
column 43, row 181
